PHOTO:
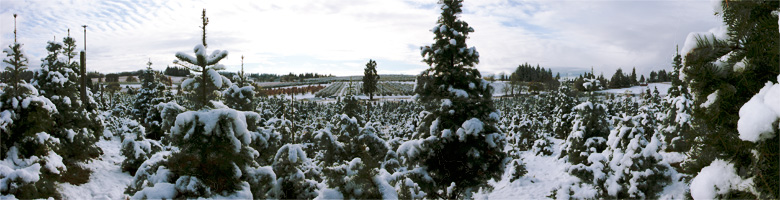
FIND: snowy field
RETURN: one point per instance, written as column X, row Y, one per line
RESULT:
column 107, row 180
column 662, row 89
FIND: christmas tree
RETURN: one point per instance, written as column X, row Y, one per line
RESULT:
column 457, row 141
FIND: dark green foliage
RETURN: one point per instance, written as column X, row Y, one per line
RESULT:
column 76, row 128
column 213, row 146
column 176, row 71
column 241, row 95
column 620, row 80
column 589, row 132
column 677, row 123
column 562, row 121
column 541, row 78
column 135, row 147
column 208, row 81
column 757, row 50
column 518, row 170
column 370, row 79
column 152, row 93
column 460, row 116
column 361, row 157
column 290, row 161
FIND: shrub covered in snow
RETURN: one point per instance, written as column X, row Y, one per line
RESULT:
column 676, row 124
column 630, row 166
column 135, row 146
column 563, row 118
column 589, row 132
column 151, row 93
column 29, row 165
column 241, row 94
column 289, row 165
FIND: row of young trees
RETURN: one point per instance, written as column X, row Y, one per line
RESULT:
column 47, row 126
column 218, row 151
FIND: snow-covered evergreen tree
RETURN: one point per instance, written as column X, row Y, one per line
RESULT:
column 29, row 165
column 151, row 93
column 361, row 153
column 589, row 129
column 458, row 141
column 629, row 167
column 211, row 148
column 241, row 95
column 135, row 146
column 207, row 81
column 74, row 126
column 289, row 164
column 676, row 124
column 725, row 69
column 563, row 116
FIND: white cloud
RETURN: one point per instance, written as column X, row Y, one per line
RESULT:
column 338, row 37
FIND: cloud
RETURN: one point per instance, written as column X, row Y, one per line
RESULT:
column 603, row 34
column 339, row 37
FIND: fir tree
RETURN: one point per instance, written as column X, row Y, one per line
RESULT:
column 76, row 127
column 289, row 164
column 458, row 141
column 24, row 140
column 676, row 125
column 211, row 150
column 370, row 79
column 724, row 72
column 241, row 95
column 152, row 92
column 589, row 131
column 629, row 167
column 208, row 81
column 563, row 116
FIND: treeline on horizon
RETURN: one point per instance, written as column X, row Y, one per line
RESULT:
column 182, row 72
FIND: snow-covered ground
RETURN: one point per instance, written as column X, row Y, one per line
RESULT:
column 107, row 180
column 662, row 89
column 545, row 173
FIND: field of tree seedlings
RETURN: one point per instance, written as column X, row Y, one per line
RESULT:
column 710, row 133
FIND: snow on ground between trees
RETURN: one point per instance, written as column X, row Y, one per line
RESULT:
column 107, row 180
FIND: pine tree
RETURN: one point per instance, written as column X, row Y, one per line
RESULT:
column 211, row 148
column 289, row 164
column 208, row 81
column 458, row 140
column 724, row 72
column 25, row 145
column 370, row 79
column 676, row 125
column 589, row 131
column 563, row 117
column 76, row 127
column 151, row 93
column 135, row 146
column 241, row 95
column 629, row 167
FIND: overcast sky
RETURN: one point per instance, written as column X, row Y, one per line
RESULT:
column 339, row 37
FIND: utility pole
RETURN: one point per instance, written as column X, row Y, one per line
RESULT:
column 83, row 73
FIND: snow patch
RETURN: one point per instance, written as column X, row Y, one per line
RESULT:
column 756, row 117
column 717, row 179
